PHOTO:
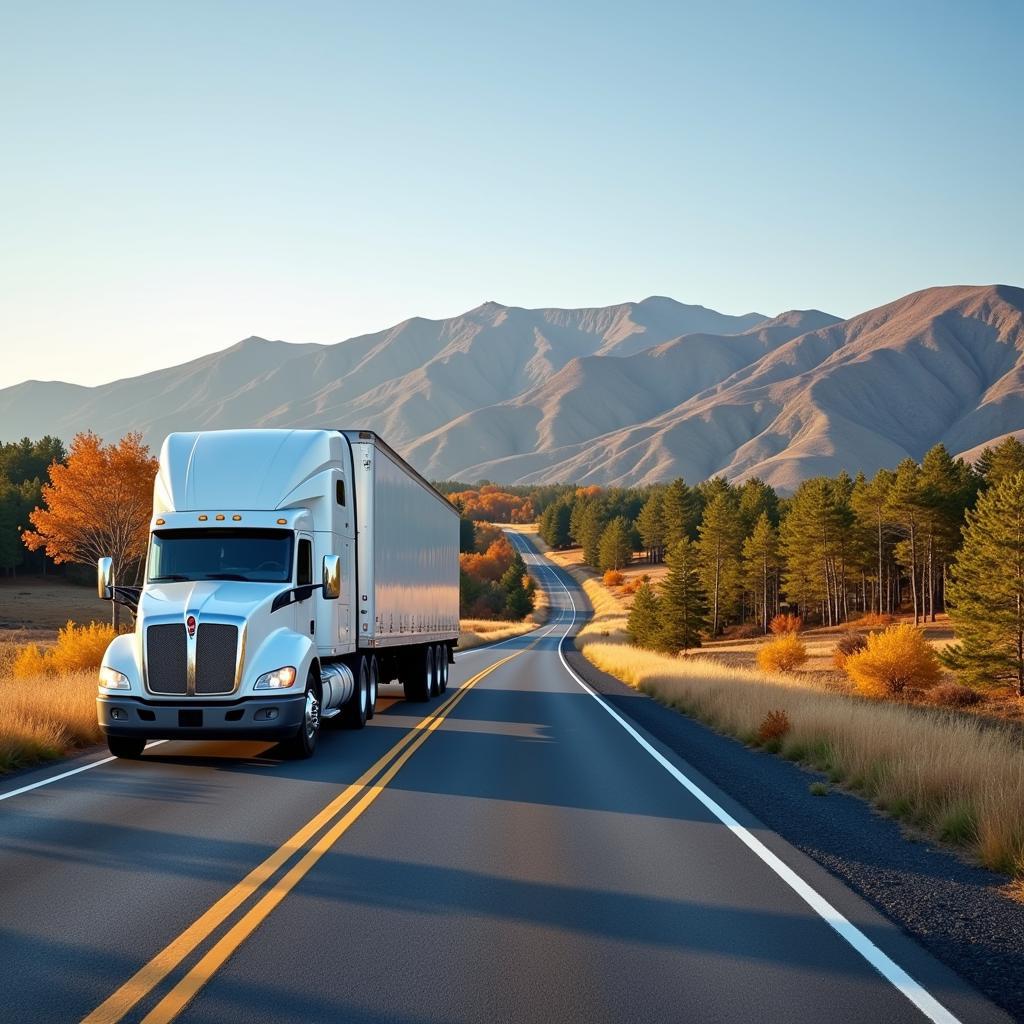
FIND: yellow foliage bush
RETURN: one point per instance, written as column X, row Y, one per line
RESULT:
column 78, row 649
column 30, row 661
column 893, row 660
column 783, row 654
column 613, row 578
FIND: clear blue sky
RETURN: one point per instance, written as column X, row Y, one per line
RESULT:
column 177, row 176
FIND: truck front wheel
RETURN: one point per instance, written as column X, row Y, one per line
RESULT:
column 303, row 743
column 126, row 746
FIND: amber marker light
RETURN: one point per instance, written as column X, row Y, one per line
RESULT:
column 219, row 517
column 236, row 519
column 159, row 522
column 282, row 522
column 203, row 519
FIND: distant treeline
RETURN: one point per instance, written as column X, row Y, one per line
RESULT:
column 24, row 468
column 838, row 546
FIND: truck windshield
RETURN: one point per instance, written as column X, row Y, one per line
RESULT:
column 256, row 556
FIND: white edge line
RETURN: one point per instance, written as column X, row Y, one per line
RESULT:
column 68, row 774
column 880, row 961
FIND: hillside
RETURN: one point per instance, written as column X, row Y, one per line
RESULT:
column 630, row 393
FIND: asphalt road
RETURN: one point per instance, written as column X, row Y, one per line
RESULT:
column 513, row 851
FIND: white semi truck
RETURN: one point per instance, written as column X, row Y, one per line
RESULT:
column 233, row 637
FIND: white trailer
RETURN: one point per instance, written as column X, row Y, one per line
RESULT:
column 233, row 637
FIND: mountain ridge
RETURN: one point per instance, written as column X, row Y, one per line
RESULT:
column 633, row 392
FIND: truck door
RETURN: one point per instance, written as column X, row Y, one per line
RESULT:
column 305, row 611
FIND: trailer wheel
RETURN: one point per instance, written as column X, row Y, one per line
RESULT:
column 356, row 713
column 418, row 674
column 371, row 696
column 303, row 743
column 441, row 668
column 126, row 746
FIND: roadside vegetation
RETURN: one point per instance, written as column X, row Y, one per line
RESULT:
column 953, row 776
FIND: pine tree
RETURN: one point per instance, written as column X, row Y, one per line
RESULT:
column 554, row 524
column 651, row 525
column 1001, row 460
column 870, row 503
column 986, row 589
column 760, row 562
column 680, row 511
column 907, row 506
column 644, row 622
column 615, row 549
column 719, row 555
column 681, row 602
column 756, row 499
column 591, row 526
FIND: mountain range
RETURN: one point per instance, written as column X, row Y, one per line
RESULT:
column 630, row 393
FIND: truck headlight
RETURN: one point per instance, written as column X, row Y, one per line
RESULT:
column 279, row 679
column 111, row 679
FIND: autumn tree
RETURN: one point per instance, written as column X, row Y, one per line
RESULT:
column 97, row 503
column 681, row 603
column 719, row 555
column 986, row 589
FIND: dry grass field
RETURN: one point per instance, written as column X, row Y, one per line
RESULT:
column 954, row 776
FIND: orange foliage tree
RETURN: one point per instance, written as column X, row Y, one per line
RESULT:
column 97, row 503
column 490, row 564
column 492, row 504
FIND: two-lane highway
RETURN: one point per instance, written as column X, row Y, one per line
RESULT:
column 515, row 851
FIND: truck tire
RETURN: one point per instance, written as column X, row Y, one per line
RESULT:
column 418, row 677
column 355, row 713
column 126, row 746
column 441, row 668
column 371, row 697
column 303, row 743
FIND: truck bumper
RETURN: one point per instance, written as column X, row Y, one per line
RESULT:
column 250, row 718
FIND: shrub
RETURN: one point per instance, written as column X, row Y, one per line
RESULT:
column 893, row 660
column 78, row 649
column 81, row 648
column 783, row 654
column 773, row 726
column 613, row 578
column 630, row 587
column 786, row 623
column 872, row 620
column 30, row 661
column 849, row 643
column 955, row 695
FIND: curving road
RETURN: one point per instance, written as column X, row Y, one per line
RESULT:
column 516, row 851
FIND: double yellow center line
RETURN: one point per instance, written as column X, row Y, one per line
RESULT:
column 359, row 794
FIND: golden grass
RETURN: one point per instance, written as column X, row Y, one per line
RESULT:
column 946, row 773
column 44, row 717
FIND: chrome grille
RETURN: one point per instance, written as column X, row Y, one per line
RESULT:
column 216, row 650
column 166, row 658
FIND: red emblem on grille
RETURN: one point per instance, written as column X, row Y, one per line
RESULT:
column 190, row 625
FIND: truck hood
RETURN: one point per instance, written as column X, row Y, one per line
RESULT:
column 213, row 598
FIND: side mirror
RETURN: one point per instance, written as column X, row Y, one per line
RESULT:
column 332, row 577
column 105, row 578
